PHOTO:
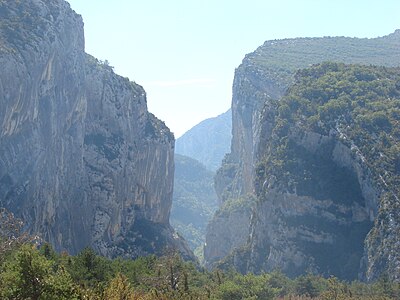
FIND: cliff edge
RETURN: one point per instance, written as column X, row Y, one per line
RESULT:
column 82, row 162
column 263, row 78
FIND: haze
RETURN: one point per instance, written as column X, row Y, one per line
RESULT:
column 184, row 52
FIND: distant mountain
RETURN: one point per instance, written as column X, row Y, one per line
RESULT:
column 208, row 141
column 194, row 201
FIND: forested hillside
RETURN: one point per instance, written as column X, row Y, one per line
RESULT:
column 194, row 201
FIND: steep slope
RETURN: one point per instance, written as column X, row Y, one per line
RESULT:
column 208, row 141
column 82, row 162
column 263, row 77
column 194, row 201
column 228, row 231
column 266, row 73
column 329, row 173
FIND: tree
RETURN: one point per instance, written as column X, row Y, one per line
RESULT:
column 60, row 286
column 119, row 289
column 307, row 285
column 29, row 275
column 48, row 252
column 336, row 290
column 88, row 268
column 24, row 276
column 11, row 236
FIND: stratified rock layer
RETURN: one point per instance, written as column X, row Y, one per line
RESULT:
column 82, row 162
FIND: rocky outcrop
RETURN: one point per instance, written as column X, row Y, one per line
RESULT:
column 304, row 229
column 82, row 162
column 227, row 231
column 328, row 197
column 261, row 80
column 265, row 75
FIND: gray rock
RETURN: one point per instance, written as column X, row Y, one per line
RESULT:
column 82, row 162
column 260, row 80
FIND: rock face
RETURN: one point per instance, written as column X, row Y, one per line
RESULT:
column 326, row 184
column 265, row 75
column 208, row 141
column 262, row 78
column 318, row 225
column 82, row 162
column 227, row 231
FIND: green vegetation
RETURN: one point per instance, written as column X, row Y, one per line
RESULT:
column 280, row 59
column 360, row 104
column 28, row 273
column 31, row 272
column 194, row 201
column 241, row 204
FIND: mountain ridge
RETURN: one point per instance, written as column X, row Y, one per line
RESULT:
column 207, row 141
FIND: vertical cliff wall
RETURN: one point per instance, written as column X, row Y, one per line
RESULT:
column 261, row 80
column 265, row 75
column 327, row 178
column 43, row 102
column 82, row 162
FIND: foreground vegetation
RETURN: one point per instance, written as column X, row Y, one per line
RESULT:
column 29, row 271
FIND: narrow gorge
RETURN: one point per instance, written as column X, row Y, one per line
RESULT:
column 310, row 183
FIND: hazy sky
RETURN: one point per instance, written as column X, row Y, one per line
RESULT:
column 184, row 52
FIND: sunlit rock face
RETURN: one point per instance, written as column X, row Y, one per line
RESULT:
column 82, row 162
column 275, row 235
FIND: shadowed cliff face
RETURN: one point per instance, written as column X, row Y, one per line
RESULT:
column 42, row 117
column 319, row 221
column 327, row 178
column 265, row 75
column 81, row 159
column 260, row 81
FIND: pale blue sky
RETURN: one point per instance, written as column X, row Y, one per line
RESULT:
column 184, row 52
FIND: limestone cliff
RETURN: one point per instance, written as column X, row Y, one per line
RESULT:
column 82, row 162
column 265, row 74
column 260, row 80
column 327, row 180
column 226, row 229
